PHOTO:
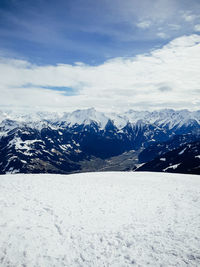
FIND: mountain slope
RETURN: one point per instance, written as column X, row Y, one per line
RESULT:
column 185, row 159
column 88, row 140
column 160, row 148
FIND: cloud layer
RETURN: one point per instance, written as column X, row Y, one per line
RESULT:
column 165, row 78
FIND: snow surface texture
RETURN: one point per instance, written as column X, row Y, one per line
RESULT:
column 100, row 219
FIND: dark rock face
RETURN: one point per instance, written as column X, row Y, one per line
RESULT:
column 185, row 159
column 31, row 151
column 158, row 149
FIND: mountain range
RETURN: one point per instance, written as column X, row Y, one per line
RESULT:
column 88, row 140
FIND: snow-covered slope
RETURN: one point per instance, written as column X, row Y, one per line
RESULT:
column 85, row 117
column 100, row 219
column 165, row 117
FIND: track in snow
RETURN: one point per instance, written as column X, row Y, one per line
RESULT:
column 100, row 219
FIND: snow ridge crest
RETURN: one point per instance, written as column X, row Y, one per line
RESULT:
column 165, row 117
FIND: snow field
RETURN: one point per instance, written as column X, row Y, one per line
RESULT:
column 100, row 219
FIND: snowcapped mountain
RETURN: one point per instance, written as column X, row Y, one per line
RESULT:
column 87, row 140
column 168, row 118
column 85, row 117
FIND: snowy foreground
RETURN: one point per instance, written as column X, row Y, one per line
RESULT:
column 100, row 219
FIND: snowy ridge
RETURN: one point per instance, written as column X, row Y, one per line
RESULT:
column 85, row 117
column 166, row 117
column 100, row 219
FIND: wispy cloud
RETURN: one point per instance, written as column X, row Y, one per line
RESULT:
column 197, row 28
column 166, row 77
column 144, row 24
column 162, row 35
column 189, row 17
column 91, row 31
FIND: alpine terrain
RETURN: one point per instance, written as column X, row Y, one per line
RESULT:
column 89, row 140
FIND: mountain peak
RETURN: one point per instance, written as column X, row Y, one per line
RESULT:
column 168, row 117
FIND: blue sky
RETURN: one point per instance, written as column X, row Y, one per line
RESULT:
column 90, row 31
column 87, row 36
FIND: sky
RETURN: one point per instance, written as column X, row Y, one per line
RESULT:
column 112, row 55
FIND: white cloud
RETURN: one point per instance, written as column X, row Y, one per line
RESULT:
column 189, row 17
column 143, row 24
column 197, row 28
column 162, row 35
column 167, row 77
